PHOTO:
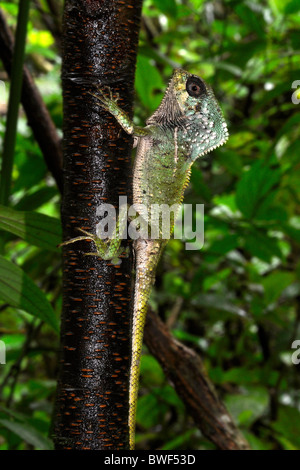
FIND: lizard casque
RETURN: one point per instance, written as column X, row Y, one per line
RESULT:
column 187, row 124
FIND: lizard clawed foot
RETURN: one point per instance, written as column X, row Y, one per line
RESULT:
column 103, row 247
column 87, row 236
column 104, row 100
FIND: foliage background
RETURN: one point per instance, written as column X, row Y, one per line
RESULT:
column 235, row 301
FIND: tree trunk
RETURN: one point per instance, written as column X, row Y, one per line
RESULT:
column 99, row 46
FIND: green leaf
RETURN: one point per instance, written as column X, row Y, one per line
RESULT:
column 168, row 7
column 253, row 188
column 246, row 408
column 292, row 7
column 256, row 443
column 149, row 411
column 180, row 442
column 224, row 245
column 147, row 82
column 262, row 246
column 252, row 19
column 218, row 302
column 236, row 375
column 151, row 370
column 33, row 201
column 292, row 122
column 292, row 232
column 275, row 283
column 18, row 290
column 37, row 229
column 231, row 161
column 199, row 185
column 288, row 425
column 28, row 433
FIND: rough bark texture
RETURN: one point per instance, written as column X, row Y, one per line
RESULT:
column 37, row 114
column 99, row 46
column 185, row 370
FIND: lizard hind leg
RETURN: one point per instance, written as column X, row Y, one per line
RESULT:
column 105, row 249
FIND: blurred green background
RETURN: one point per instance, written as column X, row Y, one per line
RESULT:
column 235, row 301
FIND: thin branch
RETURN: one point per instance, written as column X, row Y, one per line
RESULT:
column 51, row 20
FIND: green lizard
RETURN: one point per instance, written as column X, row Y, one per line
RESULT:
column 187, row 124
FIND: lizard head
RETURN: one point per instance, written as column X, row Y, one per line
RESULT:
column 197, row 102
column 190, row 104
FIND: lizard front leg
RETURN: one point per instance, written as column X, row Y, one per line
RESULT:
column 110, row 104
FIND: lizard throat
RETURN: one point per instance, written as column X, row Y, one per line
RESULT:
column 168, row 114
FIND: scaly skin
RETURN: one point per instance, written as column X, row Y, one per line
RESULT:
column 187, row 125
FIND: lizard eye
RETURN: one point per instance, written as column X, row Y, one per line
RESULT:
column 195, row 87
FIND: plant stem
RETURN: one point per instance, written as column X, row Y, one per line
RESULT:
column 14, row 100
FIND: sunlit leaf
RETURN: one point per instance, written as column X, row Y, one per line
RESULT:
column 38, row 229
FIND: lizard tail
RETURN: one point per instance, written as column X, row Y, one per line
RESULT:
column 147, row 256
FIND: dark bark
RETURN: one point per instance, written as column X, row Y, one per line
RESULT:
column 37, row 114
column 184, row 368
column 99, row 46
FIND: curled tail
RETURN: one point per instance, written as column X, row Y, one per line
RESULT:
column 147, row 256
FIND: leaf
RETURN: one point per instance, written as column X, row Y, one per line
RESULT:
column 292, row 232
column 31, row 165
column 292, row 122
column 35, row 200
column 218, row 302
column 231, row 68
column 292, row 7
column 180, row 442
column 199, row 185
column 151, row 370
column 28, row 433
column 148, row 81
column 256, row 443
column 224, row 245
column 262, row 246
column 236, row 375
column 37, row 229
column 168, row 7
column 18, row 290
column 288, row 425
column 149, row 411
column 231, row 161
column 252, row 19
column 253, row 188
column 275, row 283
column 246, row 408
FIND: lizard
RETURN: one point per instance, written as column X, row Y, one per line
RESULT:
column 187, row 125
